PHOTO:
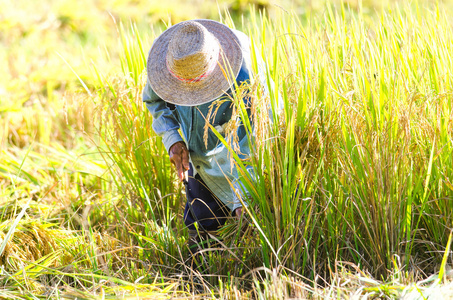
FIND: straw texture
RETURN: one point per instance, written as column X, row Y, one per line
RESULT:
column 194, row 62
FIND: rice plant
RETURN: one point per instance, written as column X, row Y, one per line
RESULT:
column 359, row 171
column 346, row 171
column 351, row 190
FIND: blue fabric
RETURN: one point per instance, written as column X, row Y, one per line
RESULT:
column 211, row 160
column 203, row 206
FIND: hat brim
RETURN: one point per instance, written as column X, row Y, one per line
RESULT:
column 175, row 91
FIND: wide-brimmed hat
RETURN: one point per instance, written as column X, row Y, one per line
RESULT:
column 194, row 62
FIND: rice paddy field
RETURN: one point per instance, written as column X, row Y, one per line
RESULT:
column 353, row 190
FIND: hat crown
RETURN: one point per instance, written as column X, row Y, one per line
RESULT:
column 192, row 52
column 165, row 61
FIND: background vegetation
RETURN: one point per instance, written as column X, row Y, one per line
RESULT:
column 354, row 179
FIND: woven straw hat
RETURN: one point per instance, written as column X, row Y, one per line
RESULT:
column 194, row 62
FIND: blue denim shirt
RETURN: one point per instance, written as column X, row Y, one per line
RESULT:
column 211, row 161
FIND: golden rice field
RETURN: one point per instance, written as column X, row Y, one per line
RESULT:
column 353, row 189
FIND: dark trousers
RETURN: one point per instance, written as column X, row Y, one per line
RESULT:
column 203, row 206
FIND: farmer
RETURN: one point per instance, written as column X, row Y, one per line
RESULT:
column 188, row 85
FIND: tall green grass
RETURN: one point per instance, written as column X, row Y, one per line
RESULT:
column 357, row 166
column 361, row 170
column 352, row 183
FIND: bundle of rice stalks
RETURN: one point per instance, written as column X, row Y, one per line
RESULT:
column 41, row 257
column 36, row 209
column 31, row 241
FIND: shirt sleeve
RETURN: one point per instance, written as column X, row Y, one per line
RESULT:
column 165, row 124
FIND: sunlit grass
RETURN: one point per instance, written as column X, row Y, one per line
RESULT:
column 368, row 107
column 352, row 188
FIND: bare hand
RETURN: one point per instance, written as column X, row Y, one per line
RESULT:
column 179, row 156
column 238, row 212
